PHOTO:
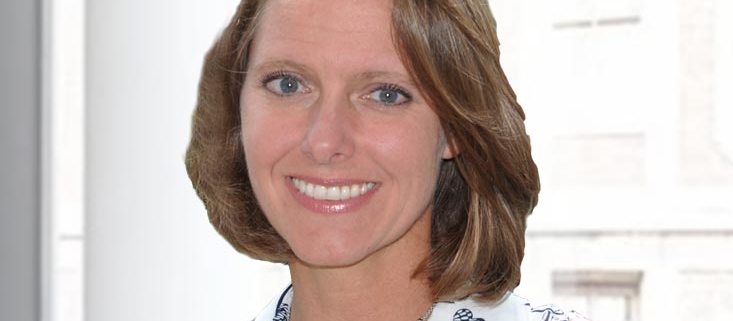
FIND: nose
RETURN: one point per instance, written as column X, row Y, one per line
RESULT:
column 330, row 131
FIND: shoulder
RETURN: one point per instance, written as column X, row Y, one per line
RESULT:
column 510, row 307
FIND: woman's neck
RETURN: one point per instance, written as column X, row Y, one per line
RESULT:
column 383, row 286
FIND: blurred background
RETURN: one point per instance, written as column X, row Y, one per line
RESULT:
column 629, row 106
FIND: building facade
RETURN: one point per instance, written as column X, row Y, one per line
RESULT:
column 629, row 105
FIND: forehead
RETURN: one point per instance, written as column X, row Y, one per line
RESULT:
column 341, row 33
column 343, row 13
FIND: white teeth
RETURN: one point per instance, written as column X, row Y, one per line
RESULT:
column 319, row 192
column 332, row 193
column 345, row 192
column 308, row 189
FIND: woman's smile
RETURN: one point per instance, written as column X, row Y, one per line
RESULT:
column 332, row 192
column 331, row 196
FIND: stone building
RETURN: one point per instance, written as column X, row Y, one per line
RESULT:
column 631, row 108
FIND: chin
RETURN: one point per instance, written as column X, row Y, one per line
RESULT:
column 328, row 258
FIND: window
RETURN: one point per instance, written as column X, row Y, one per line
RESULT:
column 601, row 295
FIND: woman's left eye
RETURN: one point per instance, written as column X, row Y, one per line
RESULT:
column 390, row 95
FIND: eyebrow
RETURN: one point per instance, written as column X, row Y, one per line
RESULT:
column 279, row 64
column 370, row 75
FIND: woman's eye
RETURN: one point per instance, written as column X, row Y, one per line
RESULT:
column 390, row 95
column 283, row 84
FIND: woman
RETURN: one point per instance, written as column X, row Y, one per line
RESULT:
column 376, row 148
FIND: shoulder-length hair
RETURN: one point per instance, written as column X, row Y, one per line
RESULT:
column 484, row 195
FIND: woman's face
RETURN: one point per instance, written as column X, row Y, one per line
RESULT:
column 342, row 151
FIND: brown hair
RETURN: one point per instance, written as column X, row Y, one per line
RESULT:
column 483, row 196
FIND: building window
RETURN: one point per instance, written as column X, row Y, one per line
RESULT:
column 600, row 295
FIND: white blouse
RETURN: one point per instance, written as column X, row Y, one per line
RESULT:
column 509, row 308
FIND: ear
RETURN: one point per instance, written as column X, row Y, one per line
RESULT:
column 450, row 148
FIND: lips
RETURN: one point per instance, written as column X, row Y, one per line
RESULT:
column 331, row 193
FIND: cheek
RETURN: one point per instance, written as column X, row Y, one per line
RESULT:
column 411, row 148
column 266, row 133
column 252, row 137
column 261, row 137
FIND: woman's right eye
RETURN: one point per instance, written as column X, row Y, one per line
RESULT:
column 284, row 84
